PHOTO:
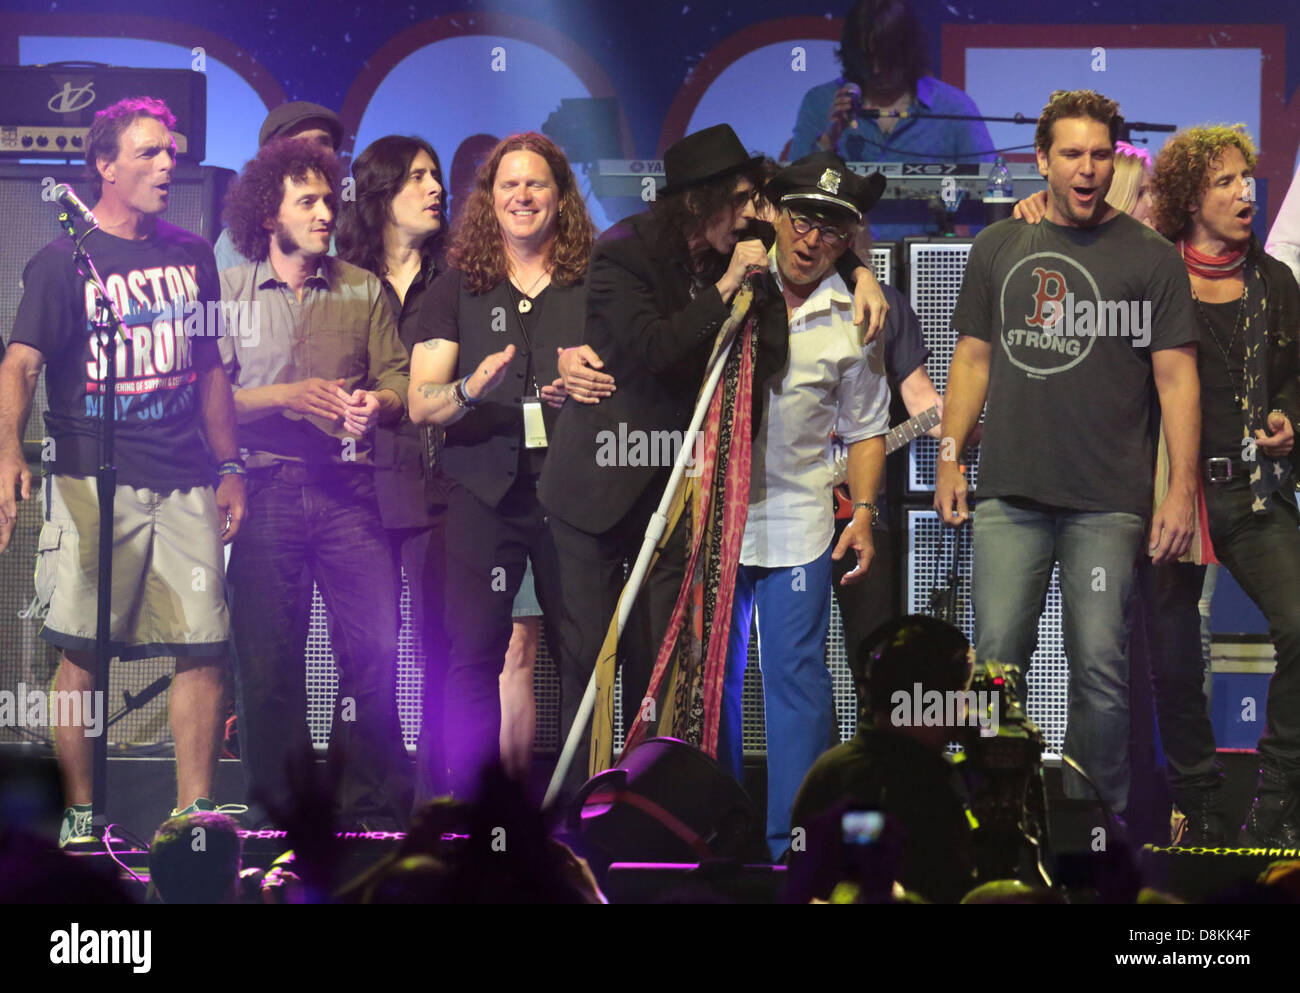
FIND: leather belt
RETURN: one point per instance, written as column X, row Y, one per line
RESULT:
column 307, row 474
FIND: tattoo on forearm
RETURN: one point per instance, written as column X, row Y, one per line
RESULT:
column 432, row 391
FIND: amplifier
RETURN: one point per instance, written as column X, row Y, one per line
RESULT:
column 883, row 260
column 936, row 555
column 49, row 108
column 934, row 275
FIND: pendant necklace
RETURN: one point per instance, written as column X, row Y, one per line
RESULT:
column 1238, row 387
column 525, row 304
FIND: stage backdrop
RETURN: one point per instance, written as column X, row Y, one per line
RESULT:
column 458, row 70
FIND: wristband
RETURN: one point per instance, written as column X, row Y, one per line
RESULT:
column 232, row 467
column 458, row 394
column 464, row 389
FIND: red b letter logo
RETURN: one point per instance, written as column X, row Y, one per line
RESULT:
column 1050, row 289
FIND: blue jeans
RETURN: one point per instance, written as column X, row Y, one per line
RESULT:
column 330, row 532
column 794, row 614
column 1016, row 544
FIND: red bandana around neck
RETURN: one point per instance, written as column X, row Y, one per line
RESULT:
column 1211, row 266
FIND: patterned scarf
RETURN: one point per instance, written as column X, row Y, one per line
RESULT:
column 1270, row 474
column 684, row 698
column 1211, row 266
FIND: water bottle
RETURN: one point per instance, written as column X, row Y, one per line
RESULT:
column 999, row 196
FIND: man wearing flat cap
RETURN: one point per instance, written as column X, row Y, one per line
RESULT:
column 296, row 119
column 831, row 382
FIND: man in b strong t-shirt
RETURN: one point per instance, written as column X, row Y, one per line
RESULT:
column 1066, row 326
column 174, row 424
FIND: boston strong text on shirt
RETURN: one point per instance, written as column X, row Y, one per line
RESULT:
column 158, row 441
column 1069, row 420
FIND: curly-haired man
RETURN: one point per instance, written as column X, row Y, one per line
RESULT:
column 325, row 367
column 1247, row 317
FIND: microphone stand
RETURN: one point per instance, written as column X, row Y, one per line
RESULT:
column 1125, row 127
column 107, row 319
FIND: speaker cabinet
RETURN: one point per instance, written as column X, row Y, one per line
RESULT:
column 934, row 274
column 928, row 568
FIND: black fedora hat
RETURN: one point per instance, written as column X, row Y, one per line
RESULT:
column 704, row 155
column 822, row 182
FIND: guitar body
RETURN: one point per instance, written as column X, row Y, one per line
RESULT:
column 897, row 438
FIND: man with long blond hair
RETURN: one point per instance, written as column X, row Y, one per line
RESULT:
column 1247, row 315
column 486, row 369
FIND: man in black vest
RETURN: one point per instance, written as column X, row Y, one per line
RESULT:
column 489, row 332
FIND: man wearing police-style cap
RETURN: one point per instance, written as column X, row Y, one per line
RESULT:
column 831, row 383
column 295, row 119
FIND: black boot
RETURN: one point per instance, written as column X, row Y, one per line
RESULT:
column 1274, row 818
column 1204, row 824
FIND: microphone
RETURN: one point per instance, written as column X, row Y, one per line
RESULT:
column 763, row 231
column 64, row 196
column 856, row 91
column 759, row 277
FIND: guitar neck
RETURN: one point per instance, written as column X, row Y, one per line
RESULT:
column 904, row 434
column 911, row 429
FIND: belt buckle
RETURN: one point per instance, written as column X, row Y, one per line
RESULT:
column 1218, row 469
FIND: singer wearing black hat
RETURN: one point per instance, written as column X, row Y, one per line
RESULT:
column 660, row 288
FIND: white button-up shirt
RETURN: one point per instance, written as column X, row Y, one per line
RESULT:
column 831, row 383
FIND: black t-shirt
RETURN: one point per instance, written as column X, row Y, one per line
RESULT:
column 1069, row 420
column 1222, row 424
column 159, row 443
column 905, row 348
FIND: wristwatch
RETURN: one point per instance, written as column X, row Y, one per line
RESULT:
column 875, row 511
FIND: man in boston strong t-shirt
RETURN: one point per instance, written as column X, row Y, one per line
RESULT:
column 1066, row 326
column 174, row 424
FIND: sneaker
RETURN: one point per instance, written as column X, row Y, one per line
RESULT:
column 208, row 806
column 77, row 828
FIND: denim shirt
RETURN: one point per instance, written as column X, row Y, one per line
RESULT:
column 913, row 138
